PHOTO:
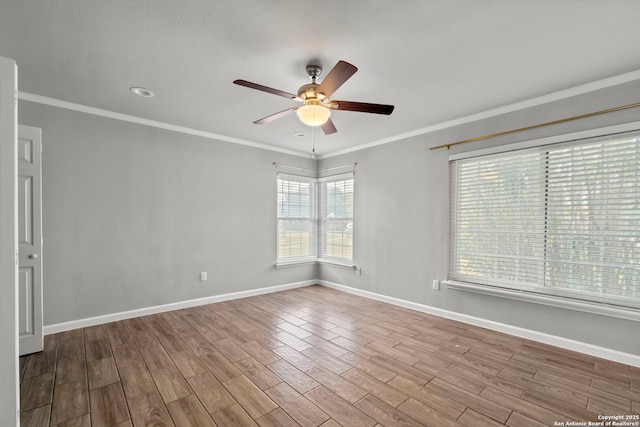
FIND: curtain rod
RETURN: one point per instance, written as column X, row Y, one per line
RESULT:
column 555, row 122
column 278, row 165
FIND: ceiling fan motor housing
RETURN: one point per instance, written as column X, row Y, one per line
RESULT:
column 308, row 92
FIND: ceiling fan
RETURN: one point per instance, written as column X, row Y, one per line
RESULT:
column 317, row 107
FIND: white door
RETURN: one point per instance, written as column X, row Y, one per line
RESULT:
column 30, row 239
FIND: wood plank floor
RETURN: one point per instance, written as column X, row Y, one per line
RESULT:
column 313, row 356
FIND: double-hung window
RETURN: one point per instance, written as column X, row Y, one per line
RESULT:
column 315, row 219
column 335, row 218
column 296, row 219
column 562, row 220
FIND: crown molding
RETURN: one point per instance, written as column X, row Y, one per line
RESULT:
column 39, row 99
column 532, row 102
column 510, row 108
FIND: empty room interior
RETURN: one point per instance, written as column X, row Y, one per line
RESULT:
column 320, row 213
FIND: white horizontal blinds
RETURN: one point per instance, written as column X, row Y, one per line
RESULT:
column 593, row 236
column 498, row 223
column 295, row 218
column 561, row 219
column 335, row 218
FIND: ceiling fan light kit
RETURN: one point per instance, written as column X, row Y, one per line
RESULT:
column 313, row 114
column 317, row 107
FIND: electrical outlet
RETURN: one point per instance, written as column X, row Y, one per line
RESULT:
column 203, row 276
column 359, row 271
column 436, row 284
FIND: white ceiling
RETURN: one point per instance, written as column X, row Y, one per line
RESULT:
column 435, row 60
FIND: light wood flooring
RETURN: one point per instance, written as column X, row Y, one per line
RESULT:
column 313, row 356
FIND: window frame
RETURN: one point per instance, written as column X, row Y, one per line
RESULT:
column 323, row 219
column 317, row 221
column 310, row 220
column 553, row 299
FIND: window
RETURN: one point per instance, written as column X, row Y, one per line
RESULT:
column 560, row 220
column 315, row 219
column 335, row 218
column 296, row 231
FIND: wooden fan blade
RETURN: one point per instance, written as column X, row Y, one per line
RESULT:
column 336, row 77
column 362, row 107
column 276, row 116
column 265, row 89
column 328, row 128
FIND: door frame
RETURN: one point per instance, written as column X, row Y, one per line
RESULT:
column 9, row 368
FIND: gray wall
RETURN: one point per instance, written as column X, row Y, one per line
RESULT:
column 132, row 214
column 401, row 220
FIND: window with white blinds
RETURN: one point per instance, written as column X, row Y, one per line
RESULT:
column 560, row 220
column 296, row 218
column 335, row 218
column 315, row 219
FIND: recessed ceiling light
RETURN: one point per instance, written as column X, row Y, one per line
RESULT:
column 300, row 134
column 140, row 91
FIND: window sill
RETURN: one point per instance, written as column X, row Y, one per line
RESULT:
column 314, row 261
column 295, row 263
column 577, row 305
column 336, row 263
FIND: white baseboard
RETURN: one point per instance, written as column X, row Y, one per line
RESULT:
column 581, row 347
column 98, row 320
